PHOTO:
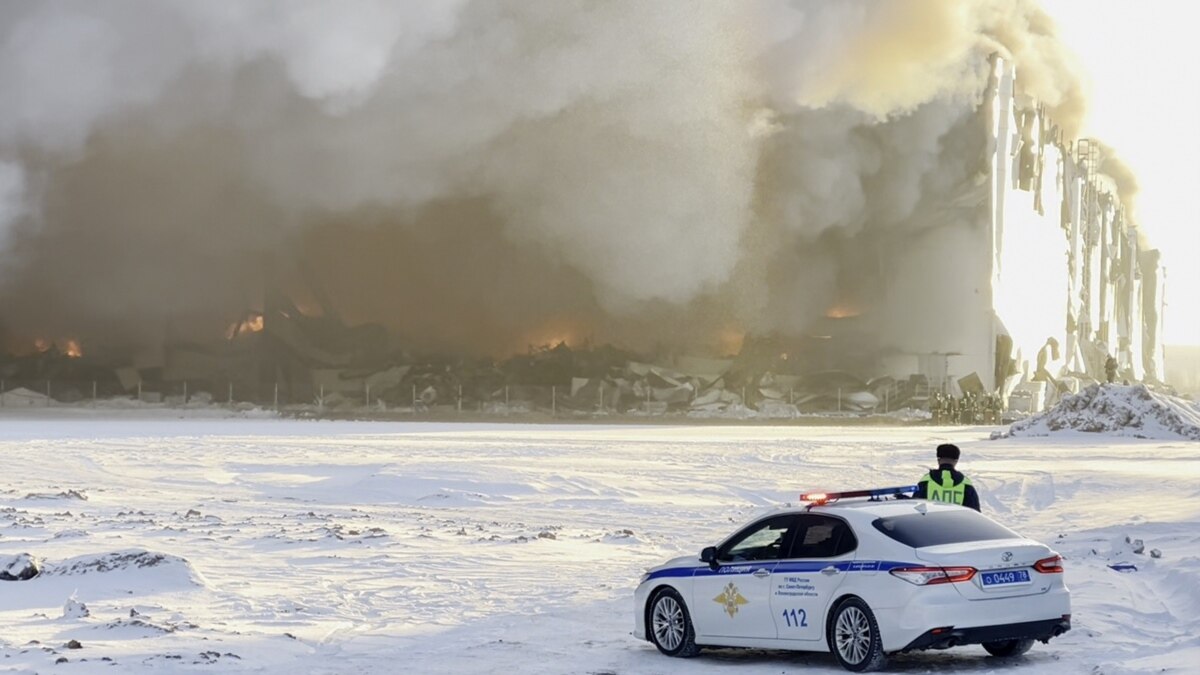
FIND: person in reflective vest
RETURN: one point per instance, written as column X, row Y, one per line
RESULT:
column 947, row 484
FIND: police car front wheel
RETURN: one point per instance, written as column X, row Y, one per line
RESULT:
column 854, row 637
column 670, row 625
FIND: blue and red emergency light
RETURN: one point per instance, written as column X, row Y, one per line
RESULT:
column 818, row 498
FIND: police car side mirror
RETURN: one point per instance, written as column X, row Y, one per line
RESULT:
column 709, row 555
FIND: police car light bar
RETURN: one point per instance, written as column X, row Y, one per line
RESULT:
column 826, row 497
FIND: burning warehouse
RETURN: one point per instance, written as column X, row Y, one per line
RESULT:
column 1026, row 274
column 483, row 180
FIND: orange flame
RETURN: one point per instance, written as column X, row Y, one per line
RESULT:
column 73, row 349
column 551, row 339
column 251, row 324
column 561, row 330
column 730, row 341
column 70, row 348
column 841, row 312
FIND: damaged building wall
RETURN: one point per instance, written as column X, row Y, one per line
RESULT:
column 1045, row 271
column 1004, row 249
column 1071, row 280
column 1153, row 287
column 1028, row 268
column 1121, row 293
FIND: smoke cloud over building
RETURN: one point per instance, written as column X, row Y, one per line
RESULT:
column 479, row 176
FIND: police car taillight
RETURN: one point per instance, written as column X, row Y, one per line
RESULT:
column 928, row 576
column 1051, row 565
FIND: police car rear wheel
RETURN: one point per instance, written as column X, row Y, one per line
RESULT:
column 1004, row 648
column 671, row 626
column 854, row 637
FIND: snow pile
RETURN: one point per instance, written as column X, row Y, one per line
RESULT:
column 1118, row 410
column 19, row 567
column 121, row 561
column 145, row 569
column 74, row 609
column 65, row 494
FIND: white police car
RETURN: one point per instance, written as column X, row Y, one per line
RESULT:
column 861, row 579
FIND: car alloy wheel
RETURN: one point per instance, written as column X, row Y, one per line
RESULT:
column 668, row 623
column 854, row 637
column 670, row 626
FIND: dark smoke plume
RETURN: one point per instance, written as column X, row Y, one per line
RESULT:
column 484, row 175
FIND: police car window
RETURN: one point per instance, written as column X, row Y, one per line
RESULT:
column 762, row 541
column 822, row 537
column 942, row 527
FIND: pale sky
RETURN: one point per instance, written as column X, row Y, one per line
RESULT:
column 1145, row 80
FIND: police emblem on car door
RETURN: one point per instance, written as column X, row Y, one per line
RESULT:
column 730, row 599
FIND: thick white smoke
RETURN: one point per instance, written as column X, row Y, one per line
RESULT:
column 12, row 197
column 613, row 161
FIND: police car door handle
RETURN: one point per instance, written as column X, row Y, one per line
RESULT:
column 761, row 573
column 829, row 570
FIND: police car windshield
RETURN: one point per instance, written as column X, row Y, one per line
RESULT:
column 942, row 527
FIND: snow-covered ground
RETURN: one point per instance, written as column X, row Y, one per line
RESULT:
column 213, row 544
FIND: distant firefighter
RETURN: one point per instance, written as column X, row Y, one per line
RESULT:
column 1110, row 369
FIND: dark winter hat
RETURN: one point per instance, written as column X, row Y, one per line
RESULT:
column 948, row 451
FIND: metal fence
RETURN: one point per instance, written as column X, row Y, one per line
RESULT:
column 596, row 398
column 44, row 393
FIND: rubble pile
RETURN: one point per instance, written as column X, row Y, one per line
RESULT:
column 1120, row 410
column 702, row 387
column 314, row 362
column 300, row 362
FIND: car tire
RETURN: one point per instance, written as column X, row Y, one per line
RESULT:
column 1005, row 648
column 853, row 637
column 669, row 624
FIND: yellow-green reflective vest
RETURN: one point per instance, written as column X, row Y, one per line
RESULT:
column 944, row 489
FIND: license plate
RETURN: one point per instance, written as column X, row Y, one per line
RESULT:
column 1006, row 577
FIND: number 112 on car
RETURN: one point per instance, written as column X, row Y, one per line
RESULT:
column 796, row 618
